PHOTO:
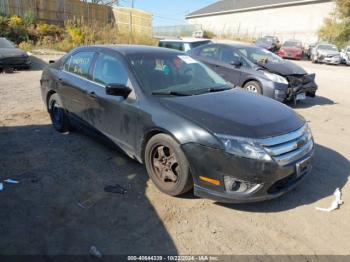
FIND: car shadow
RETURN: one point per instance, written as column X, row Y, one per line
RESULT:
column 330, row 171
column 310, row 102
column 38, row 63
column 61, row 205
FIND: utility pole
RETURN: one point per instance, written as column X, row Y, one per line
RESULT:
column 130, row 19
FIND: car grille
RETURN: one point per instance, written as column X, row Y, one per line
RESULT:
column 295, row 81
column 290, row 147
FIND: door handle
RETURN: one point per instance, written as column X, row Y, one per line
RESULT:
column 92, row 95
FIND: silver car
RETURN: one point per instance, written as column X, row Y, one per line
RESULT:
column 326, row 53
column 345, row 55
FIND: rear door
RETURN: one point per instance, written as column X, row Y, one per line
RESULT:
column 114, row 116
column 73, row 82
column 208, row 55
column 227, row 57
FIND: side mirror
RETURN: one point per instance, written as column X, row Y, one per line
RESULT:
column 118, row 90
column 236, row 63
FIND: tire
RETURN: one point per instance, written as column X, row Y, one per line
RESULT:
column 59, row 118
column 167, row 165
column 313, row 60
column 253, row 86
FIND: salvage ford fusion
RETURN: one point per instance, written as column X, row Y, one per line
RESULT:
column 182, row 120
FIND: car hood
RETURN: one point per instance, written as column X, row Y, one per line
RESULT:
column 12, row 52
column 283, row 68
column 236, row 112
column 328, row 52
column 291, row 49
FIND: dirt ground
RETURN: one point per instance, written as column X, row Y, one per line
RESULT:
column 60, row 207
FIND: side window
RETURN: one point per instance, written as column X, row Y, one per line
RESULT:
column 228, row 55
column 210, row 52
column 109, row 70
column 79, row 63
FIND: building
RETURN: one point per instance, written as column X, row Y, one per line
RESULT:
column 287, row 19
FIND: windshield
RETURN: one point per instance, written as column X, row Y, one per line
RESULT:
column 4, row 43
column 328, row 47
column 260, row 56
column 171, row 72
column 292, row 44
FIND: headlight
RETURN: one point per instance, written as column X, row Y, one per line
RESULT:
column 276, row 78
column 243, row 147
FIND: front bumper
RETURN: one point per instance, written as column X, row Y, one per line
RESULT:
column 331, row 60
column 274, row 180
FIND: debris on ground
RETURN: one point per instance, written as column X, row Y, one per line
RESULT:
column 95, row 252
column 81, row 205
column 120, row 161
column 11, row 181
column 335, row 204
column 117, row 189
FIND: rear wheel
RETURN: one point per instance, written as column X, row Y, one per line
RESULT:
column 59, row 118
column 253, row 86
column 167, row 165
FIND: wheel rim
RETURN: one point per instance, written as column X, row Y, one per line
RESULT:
column 252, row 88
column 165, row 165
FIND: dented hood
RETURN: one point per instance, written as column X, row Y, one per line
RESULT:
column 236, row 112
column 284, row 68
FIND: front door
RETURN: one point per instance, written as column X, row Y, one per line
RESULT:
column 114, row 116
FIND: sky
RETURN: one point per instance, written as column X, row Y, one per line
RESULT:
column 168, row 12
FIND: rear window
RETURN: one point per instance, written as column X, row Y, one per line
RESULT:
column 172, row 45
column 200, row 43
column 4, row 43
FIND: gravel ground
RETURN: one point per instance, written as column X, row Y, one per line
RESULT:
column 60, row 207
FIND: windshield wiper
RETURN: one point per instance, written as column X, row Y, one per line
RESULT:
column 170, row 93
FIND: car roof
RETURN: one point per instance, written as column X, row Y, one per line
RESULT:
column 184, row 40
column 133, row 49
column 236, row 45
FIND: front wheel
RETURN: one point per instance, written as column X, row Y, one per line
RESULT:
column 167, row 165
column 253, row 86
column 58, row 115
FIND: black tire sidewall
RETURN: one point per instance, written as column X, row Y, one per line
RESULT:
column 184, row 183
column 63, row 125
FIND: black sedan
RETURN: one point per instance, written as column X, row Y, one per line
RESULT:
column 182, row 120
column 258, row 70
column 12, row 57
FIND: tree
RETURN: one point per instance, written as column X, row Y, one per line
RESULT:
column 336, row 28
column 103, row 2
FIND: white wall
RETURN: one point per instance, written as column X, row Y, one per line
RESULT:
column 300, row 22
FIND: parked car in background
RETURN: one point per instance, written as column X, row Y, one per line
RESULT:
column 182, row 120
column 183, row 44
column 291, row 49
column 326, row 53
column 345, row 55
column 258, row 70
column 270, row 43
column 309, row 49
column 12, row 57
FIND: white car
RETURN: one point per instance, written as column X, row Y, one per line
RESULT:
column 345, row 55
column 183, row 44
column 326, row 53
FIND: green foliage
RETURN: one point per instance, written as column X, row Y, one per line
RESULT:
column 336, row 28
column 208, row 34
column 30, row 34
